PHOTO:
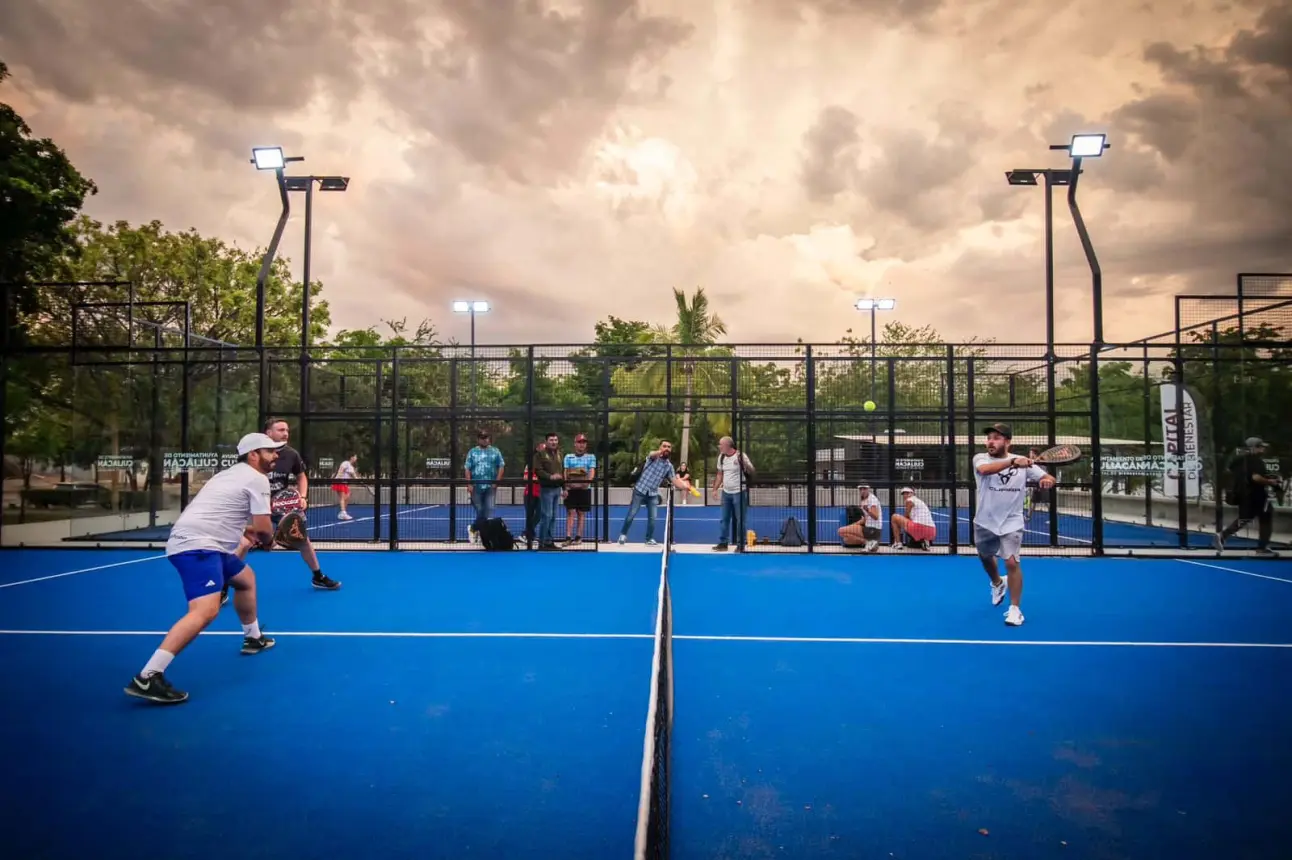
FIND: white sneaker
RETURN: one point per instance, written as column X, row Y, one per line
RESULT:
column 872, row 545
column 1014, row 617
column 623, row 539
column 652, row 542
column 898, row 545
column 998, row 592
column 344, row 516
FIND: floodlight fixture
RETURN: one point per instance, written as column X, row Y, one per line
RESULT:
column 297, row 183
column 876, row 304
column 268, row 157
column 474, row 307
column 333, row 183
column 1088, row 145
column 1021, row 177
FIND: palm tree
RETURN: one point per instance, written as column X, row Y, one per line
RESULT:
column 696, row 330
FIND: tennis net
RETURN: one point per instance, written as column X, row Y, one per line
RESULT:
column 653, row 806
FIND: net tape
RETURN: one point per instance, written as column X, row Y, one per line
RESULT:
column 652, row 841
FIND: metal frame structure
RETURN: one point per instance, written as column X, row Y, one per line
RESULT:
column 392, row 396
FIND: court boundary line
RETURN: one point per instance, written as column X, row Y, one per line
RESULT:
column 1234, row 570
column 156, row 557
column 691, row 637
column 82, row 570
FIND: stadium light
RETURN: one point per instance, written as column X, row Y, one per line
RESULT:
column 269, row 158
column 305, row 185
column 874, row 305
column 1084, row 146
column 473, row 307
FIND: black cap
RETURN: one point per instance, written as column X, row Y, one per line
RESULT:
column 1003, row 429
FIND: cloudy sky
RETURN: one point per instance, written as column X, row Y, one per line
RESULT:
column 570, row 159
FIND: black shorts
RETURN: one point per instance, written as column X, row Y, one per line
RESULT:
column 579, row 499
column 871, row 533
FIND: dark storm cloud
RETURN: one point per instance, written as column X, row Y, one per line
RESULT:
column 241, row 54
column 522, row 88
column 831, row 149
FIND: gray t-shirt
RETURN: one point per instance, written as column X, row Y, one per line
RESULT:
column 1001, row 496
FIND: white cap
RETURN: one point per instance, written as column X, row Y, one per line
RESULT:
column 255, row 442
column 906, row 490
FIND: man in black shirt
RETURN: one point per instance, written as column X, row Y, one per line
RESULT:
column 1250, row 483
column 289, row 472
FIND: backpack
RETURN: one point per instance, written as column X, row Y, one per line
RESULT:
column 1235, row 481
column 494, row 535
column 791, row 534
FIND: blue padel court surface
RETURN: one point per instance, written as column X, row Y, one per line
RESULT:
column 694, row 524
column 453, row 705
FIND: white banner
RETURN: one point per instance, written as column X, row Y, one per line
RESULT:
column 1180, row 433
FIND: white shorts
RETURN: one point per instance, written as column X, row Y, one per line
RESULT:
column 989, row 543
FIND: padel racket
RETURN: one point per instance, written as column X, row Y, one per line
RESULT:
column 286, row 501
column 1059, row 455
column 291, row 532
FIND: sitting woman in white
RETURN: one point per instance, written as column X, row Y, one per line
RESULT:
column 916, row 524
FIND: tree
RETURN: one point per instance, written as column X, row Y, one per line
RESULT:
column 110, row 397
column 695, row 329
column 41, row 193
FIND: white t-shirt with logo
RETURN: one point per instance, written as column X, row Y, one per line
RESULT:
column 729, row 466
column 217, row 516
column 1001, row 496
column 869, row 504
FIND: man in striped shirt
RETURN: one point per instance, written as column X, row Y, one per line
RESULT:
column 654, row 473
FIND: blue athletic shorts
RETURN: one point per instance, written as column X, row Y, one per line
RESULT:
column 205, row 571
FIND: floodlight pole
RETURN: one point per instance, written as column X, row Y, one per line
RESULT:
column 1097, row 302
column 263, row 278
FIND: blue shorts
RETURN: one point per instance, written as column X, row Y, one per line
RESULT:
column 205, row 571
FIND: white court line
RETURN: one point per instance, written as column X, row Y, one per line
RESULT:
column 360, row 519
column 330, row 634
column 1062, row 537
column 82, row 570
column 155, row 557
column 340, row 634
column 1233, row 570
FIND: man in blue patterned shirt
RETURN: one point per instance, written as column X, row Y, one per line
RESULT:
column 655, row 472
column 484, row 468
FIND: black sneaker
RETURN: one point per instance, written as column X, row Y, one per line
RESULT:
column 255, row 646
column 224, row 595
column 155, row 688
column 722, row 547
column 325, row 582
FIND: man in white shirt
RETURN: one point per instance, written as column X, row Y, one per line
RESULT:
column 867, row 528
column 731, row 483
column 203, row 549
column 998, row 523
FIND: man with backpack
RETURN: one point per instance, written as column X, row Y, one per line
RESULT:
column 1249, row 486
column 731, row 484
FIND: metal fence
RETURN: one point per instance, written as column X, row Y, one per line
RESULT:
column 117, row 413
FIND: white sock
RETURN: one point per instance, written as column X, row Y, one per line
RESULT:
column 252, row 630
column 157, row 664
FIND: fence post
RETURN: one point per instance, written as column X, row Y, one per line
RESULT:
column 529, row 437
column 954, row 542
column 394, row 448
column 810, row 381
column 377, row 480
column 1096, row 458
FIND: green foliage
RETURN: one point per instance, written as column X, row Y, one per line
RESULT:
column 42, row 194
